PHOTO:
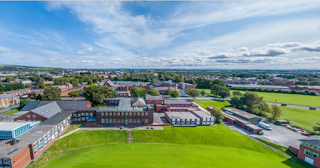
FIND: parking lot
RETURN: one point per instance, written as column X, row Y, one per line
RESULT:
column 279, row 135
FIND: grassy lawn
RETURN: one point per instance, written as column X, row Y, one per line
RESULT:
column 101, row 105
column 296, row 99
column 10, row 112
column 303, row 118
column 216, row 146
column 71, row 128
column 216, row 104
column 207, row 91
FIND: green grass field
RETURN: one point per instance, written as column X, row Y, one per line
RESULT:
column 296, row 99
column 216, row 146
column 10, row 112
column 71, row 128
column 216, row 104
column 303, row 118
column 207, row 91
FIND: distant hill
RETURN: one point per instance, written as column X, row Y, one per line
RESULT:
column 26, row 68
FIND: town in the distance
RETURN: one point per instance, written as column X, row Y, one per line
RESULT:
column 55, row 117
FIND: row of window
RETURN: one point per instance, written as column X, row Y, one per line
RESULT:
column 310, row 153
column 311, row 146
column 125, row 114
column 46, row 138
column 83, row 114
column 33, row 116
column 124, row 120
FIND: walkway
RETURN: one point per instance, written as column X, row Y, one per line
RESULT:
column 130, row 136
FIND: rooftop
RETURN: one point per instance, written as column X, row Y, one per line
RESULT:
column 10, row 126
column 258, row 86
column 177, row 101
column 47, row 110
column 202, row 114
column 181, row 115
column 241, row 113
column 313, row 140
column 149, row 97
column 124, row 105
column 6, row 96
column 138, row 102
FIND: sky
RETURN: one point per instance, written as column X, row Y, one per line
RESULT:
column 193, row 34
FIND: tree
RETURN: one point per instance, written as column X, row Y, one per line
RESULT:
column 51, row 94
column 137, row 92
column 188, row 90
column 250, row 100
column 194, row 93
column 2, row 88
column 23, row 102
column 316, row 127
column 237, row 93
column 275, row 112
column 169, row 91
column 74, row 94
column 39, row 97
column 224, row 92
column 215, row 89
column 203, row 93
column 42, row 86
column 236, row 102
column 154, row 92
column 313, row 93
column 263, row 108
column 96, row 94
column 175, row 94
column 90, row 82
column 217, row 113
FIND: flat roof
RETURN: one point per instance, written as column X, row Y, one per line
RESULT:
column 241, row 113
column 8, row 151
column 56, row 119
column 150, row 97
column 10, row 126
column 252, row 126
column 123, row 105
column 236, row 118
column 181, row 115
column 313, row 140
column 178, row 101
column 202, row 114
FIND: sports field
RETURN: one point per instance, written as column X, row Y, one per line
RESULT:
column 303, row 118
column 216, row 146
column 296, row 99
column 216, row 104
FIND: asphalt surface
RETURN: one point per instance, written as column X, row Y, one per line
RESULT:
column 279, row 135
column 159, row 118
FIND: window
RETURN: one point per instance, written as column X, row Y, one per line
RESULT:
column 146, row 120
column 130, row 120
column 28, row 116
column 126, row 114
column 122, row 114
column 134, row 114
column 87, row 114
column 138, row 114
column 138, row 120
column 310, row 153
column 134, row 120
column 118, row 120
column 130, row 114
column 82, row 114
column 118, row 114
column 102, row 120
column 91, row 114
column 107, row 114
column 106, row 120
column 147, row 114
column 142, row 114
column 79, row 119
column 79, row 115
column 122, row 120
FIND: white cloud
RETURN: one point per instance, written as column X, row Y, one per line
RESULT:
column 4, row 50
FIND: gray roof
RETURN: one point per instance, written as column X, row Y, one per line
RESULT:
column 10, row 126
column 8, row 151
column 149, row 97
column 57, row 118
column 241, row 113
column 138, row 102
column 259, row 86
column 164, row 88
column 5, row 96
column 313, row 140
column 252, row 126
column 202, row 114
column 124, row 105
column 177, row 101
column 64, row 105
column 181, row 115
column 19, row 90
column 47, row 110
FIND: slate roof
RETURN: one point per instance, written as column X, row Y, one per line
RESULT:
column 47, row 110
column 313, row 140
column 64, row 105
column 5, row 96
column 138, row 102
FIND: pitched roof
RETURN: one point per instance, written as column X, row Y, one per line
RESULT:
column 313, row 140
column 47, row 110
column 64, row 105
column 138, row 102
column 5, row 96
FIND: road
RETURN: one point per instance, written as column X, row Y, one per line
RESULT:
column 228, row 99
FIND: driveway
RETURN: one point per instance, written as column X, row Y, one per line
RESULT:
column 159, row 119
column 279, row 135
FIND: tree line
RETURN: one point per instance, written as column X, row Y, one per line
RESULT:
column 10, row 87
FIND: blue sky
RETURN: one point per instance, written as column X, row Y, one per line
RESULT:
column 227, row 35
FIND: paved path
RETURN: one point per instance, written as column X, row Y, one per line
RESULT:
column 130, row 136
column 124, row 128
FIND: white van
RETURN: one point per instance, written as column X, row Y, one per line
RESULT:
column 265, row 126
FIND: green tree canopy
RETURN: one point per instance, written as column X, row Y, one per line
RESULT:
column 224, row 92
column 169, row 91
column 96, row 94
column 51, row 94
column 138, row 92
column 175, row 94
column 154, row 92
column 276, row 112
column 217, row 113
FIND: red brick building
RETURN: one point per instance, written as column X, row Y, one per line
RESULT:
column 309, row 150
column 154, row 99
column 18, row 92
column 8, row 100
column 165, row 84
column 33, row 94
column 233, row 120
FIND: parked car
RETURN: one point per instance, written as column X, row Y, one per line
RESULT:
column 265, row 126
